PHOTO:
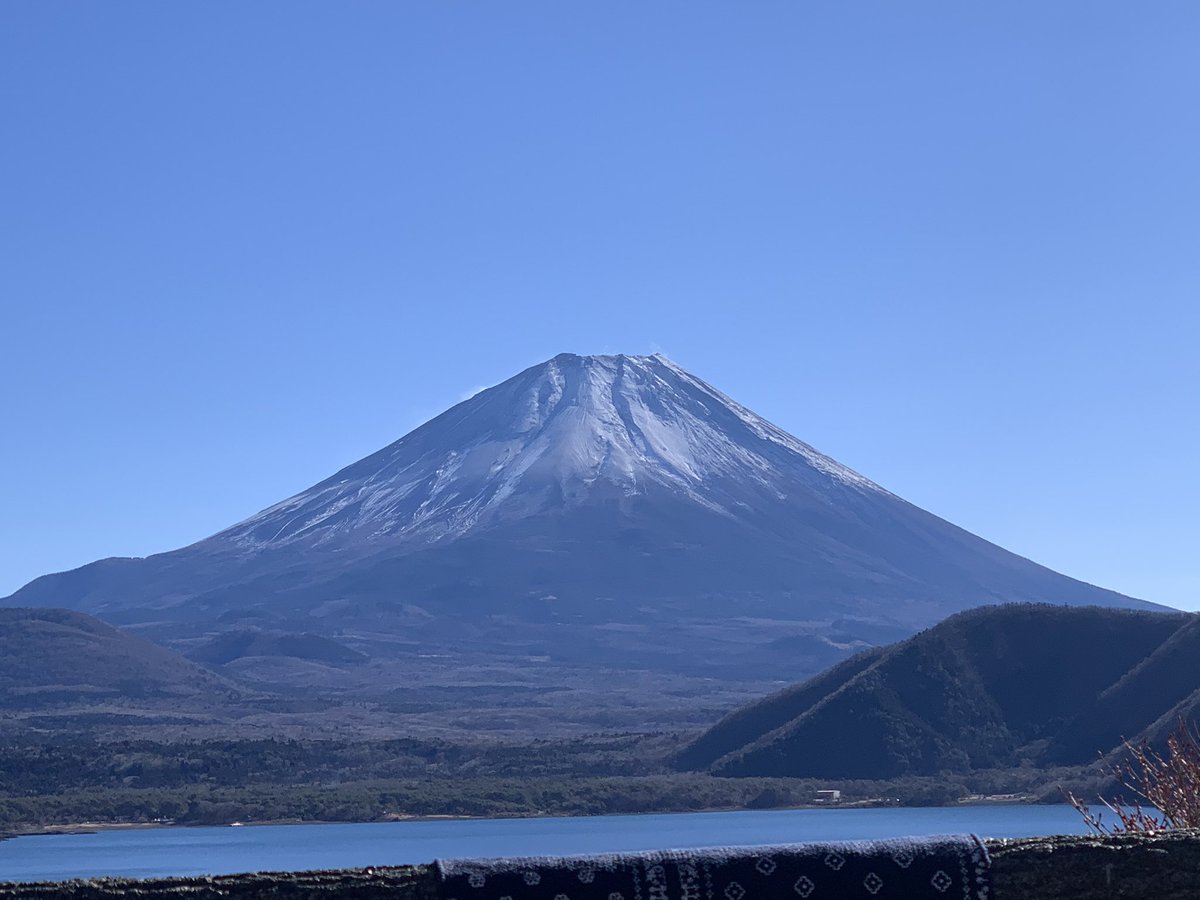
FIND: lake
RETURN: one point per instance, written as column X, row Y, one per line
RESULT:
column 145, row 853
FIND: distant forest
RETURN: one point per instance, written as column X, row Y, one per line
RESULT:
column 62, row 783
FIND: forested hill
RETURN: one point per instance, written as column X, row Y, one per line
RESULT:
column 998, row 686
column 64, row 668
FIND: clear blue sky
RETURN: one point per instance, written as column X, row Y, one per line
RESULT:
column 954, row 245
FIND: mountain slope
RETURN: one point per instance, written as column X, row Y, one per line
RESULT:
column 1160, row 683
column 990, row 687
column 239, row 644
column 55, row 656
column 775, row 712
column 576, row 514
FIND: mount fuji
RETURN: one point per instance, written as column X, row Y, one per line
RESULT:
column 591, row 513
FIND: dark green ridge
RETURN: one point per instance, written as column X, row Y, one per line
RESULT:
column 1020, row 684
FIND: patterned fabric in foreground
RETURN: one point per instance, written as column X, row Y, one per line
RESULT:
column 943, row 868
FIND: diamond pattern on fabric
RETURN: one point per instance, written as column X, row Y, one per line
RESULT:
column 935, row 868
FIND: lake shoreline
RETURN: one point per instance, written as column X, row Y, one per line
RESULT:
column 76, row 828
column 162, row 851
column 1165, row 866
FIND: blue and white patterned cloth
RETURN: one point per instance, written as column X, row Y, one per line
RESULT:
column 941, row 868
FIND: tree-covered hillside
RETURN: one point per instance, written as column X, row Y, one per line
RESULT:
column 1001, row 686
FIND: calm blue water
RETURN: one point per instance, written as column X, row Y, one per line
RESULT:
column 197, row 851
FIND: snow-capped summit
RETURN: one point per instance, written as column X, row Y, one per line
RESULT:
column 561, row 433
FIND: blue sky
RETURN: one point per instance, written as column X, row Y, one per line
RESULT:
column 954, row 245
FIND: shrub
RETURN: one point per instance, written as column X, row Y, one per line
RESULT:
column 1165, row 788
